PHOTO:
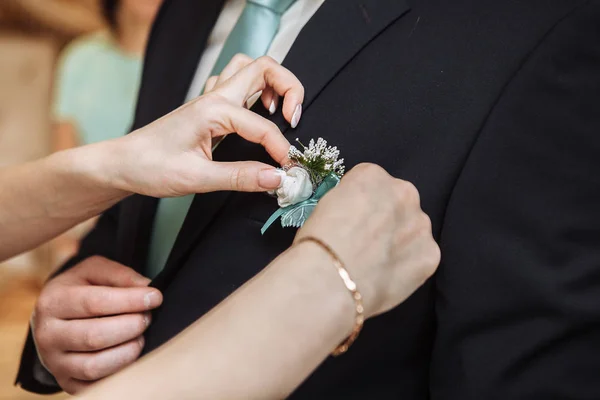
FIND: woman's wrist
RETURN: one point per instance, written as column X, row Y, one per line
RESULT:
column 321, row 274
column 86, row 176
column 359, row 317
column 355, row 264
column 102, row 164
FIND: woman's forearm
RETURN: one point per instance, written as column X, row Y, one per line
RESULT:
column 43, row 198
column 260, row 343
column 169, row 157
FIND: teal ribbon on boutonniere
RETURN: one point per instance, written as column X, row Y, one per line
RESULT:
column 296, row 214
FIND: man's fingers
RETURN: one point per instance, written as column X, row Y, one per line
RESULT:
column 98, row 365
column 78, row 302
column 93, row 334
column 102, row 271
column 243, row 176
column 265, row 72
column 73, row 386
column 256, row 129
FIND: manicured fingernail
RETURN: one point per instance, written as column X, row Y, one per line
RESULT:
column 272, row 107
column 147, row 319
column 269, row 178
column 151, row 300
column 297, row 115
column 282, row 174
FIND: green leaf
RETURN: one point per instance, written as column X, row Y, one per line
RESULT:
column 296, row 215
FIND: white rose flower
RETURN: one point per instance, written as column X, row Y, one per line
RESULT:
column 295, row 187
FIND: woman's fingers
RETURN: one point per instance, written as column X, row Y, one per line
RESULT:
column 246, row 176
column 241, row 176
column 256, row 129
column 211, row 83
column 270, row 100
column 288, row 85
column 238, row 62
column 261, row 74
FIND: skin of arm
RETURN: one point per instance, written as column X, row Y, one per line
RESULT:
column 283, row 323
column 64, row 137
column 44, row 198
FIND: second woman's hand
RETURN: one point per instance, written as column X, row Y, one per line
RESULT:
column 376, row 225
column 173, row 155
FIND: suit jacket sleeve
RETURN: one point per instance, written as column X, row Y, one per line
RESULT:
column 32, row 376
column 518, row 292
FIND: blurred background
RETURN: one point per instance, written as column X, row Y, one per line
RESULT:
column 69, row 73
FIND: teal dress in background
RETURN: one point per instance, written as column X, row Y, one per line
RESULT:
column 96, row 88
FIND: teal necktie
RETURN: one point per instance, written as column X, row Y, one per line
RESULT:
column 254, row 31
column 252, row 35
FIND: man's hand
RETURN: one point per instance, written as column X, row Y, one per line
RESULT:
column 88, row 322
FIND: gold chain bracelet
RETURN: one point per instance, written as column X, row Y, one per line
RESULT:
column 351, row 286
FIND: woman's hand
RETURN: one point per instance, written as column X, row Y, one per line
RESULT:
column 269, row 97
column 375, row 224
column 173, row 155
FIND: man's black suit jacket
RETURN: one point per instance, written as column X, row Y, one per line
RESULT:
column 492, row 109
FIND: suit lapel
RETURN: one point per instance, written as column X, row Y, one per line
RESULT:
column 171, row 62
column 333, row 36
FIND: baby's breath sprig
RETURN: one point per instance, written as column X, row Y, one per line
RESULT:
column 318, row 159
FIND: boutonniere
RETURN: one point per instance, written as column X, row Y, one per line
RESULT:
column 312, row 173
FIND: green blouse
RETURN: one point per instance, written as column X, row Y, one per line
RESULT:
column 96, row 88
